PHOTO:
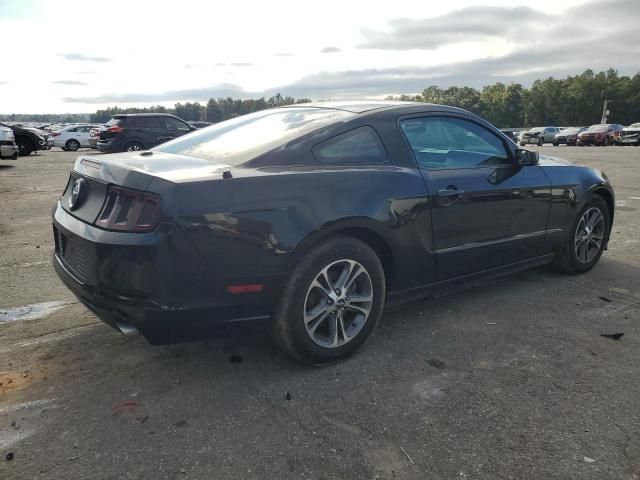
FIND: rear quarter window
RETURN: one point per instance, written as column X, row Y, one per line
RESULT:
column 361, row 145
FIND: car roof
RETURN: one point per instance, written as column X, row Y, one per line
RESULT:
column 357, row 106
column 124, row 115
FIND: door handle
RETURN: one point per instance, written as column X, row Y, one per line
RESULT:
column 450, row 192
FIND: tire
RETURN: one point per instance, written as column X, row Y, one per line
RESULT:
column 72, row 145
column 605, row 142
column 567, row 259
column 540, row 142
column 309, row 337
column 556, row 144
column 133, row 146
column 25, row 146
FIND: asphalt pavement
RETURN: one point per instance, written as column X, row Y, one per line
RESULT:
column 508, row 380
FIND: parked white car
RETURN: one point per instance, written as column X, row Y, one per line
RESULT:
column 72, row 137
column 8, row 148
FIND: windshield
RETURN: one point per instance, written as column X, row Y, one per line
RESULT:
column 243, row 138
column 570, row 130
column 537, row 129
column 634, row 125
column 598, row 128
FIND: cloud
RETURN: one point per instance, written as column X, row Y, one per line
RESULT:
column 69, row 82
column 330, row 50
column 283, row 54
column 558, row 47
column 221, row 90
column 466, row 24
column 79, row 57
column 86, row 72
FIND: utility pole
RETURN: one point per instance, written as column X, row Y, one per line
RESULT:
column 605, row 112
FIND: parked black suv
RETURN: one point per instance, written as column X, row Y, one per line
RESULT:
column 140, row 131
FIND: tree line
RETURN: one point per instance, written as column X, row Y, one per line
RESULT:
column 215, row 110
column 571, row 101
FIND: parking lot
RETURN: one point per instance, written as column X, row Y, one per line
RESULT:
column 511, row 379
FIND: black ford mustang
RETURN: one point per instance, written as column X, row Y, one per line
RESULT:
column 315, row 217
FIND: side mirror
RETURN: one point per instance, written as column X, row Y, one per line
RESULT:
column 527, row 157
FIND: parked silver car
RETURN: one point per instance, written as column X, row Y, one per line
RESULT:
column 8, row 147
column 539, row 135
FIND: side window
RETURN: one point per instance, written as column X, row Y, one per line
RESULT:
column 550, row 130
column 72, row 130
column 135, row 122
column 361, row 145
column 174, row 124
column 448, row 142
column 153, row 122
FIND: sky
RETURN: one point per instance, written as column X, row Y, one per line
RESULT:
column 72, row 56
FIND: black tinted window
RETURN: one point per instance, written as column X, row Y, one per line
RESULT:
column 153, row 122
column 447, row 142
column 361, row 145
column 135, row 122
column 174, row 124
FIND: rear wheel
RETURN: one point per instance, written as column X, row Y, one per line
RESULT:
column 134, row 146
column 72, row 145
column 587, row 239
column 25, row 147
column 555, row 144
column 332, row 302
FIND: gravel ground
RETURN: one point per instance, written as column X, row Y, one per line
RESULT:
column 511, row 379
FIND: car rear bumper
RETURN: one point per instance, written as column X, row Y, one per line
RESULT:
column 111, row 145
column 8, row 151
column 155, row 284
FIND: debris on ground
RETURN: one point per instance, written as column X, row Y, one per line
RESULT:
column 407, row 455
column 434, row 362
column 605, row 299
column 613, row 336
column 9, row 456
column 287, row 396
column 235, row 358
column 588, row 459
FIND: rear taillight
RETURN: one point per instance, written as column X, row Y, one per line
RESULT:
column 129, row 211
column 115, row 129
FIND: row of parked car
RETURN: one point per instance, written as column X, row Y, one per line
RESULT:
column 126, row 132
column 599, row 134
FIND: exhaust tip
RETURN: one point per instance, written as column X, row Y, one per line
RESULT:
column 127, row 329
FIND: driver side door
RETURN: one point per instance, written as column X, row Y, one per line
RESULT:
column 487, row 210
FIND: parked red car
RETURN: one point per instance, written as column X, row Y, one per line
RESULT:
column 601, row 134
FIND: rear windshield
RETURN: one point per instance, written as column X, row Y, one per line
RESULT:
column 243, row 138
column 570, row 130
column 598, row 128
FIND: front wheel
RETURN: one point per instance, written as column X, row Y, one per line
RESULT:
column 555, row 144
column 332, row 302
column 605, row 142
column 540, row 141
column 587, row 238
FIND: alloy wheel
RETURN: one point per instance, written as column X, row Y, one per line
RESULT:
column 589, row 235
column 338, row 303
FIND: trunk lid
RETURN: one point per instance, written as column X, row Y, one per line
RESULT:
column 155, row 172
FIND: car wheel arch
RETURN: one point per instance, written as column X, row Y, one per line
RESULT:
column 365, row 230
column 608, row 199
